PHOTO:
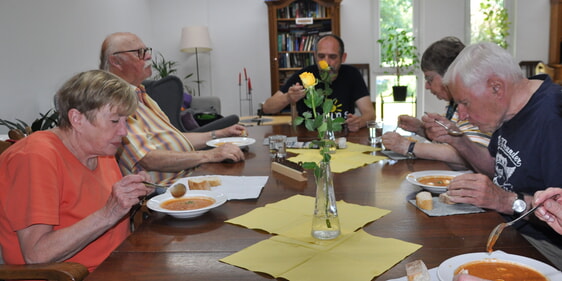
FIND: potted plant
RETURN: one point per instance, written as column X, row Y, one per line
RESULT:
column 399, row 53
column 165, row 68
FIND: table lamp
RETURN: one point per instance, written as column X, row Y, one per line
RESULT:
column 195, row 39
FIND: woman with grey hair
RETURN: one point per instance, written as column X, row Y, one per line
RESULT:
column 434, row 63
column 62, row 194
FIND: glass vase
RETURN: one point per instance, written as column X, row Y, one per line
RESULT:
column 325, row 221
column 330, row 141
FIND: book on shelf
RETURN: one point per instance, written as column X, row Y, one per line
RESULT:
column 302, row 9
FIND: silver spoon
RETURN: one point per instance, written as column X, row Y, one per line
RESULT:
column 495, row 234
column 450, row 131
column 177, row 190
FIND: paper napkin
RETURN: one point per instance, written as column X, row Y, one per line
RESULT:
column 292, row 217
column 235, row 187
column 355, row 256
column 442, row 209
column 352, row 157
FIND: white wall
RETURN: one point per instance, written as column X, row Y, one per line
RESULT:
column 45, row 42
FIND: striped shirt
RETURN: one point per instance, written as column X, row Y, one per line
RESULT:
column 150, row 129
column 472, row 131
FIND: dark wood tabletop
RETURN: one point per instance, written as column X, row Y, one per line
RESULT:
column 165, row 248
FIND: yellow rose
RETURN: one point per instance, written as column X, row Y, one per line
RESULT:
column 308, row 79
column 323, row 65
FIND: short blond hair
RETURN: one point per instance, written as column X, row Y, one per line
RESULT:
column 91, row 90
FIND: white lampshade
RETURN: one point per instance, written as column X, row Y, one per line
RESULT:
column 195, row 38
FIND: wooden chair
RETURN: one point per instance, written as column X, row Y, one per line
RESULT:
column 62, row 271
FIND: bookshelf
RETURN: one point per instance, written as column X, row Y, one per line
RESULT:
column 294, row 26
column 555, row 47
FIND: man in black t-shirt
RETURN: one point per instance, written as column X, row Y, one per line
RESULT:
column 348, row 87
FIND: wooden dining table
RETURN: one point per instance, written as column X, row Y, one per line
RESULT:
column 166, row 248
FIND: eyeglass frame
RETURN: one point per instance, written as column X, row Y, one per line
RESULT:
column 428, row 79
column 141, row 52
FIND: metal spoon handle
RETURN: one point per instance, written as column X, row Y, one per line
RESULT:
column 154, row 185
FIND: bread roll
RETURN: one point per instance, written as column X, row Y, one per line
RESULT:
column 203, row 183
column 424, row 200
column 444, row 198
column 417, row 271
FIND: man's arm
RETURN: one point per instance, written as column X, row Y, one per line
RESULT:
column 174, row 161
column 365, row 106
column 275, row 103
column 199, row 140
column 280, row 100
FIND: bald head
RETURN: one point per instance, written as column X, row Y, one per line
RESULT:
column 118, row 55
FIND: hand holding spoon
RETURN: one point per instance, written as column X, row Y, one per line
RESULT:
column 450, row 131
column 177, row 190
column 495, row 234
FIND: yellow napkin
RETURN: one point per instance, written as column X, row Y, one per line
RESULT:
column 292, row 217
column 356, row 256
column 354, row 156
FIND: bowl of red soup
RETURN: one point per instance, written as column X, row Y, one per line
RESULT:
column 434, row 181
column 193, row 204
column 498, row 265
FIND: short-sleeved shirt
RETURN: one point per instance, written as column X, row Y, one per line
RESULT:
column 42, row 182
column 471, row 131
column 150, row 129
column 527, row 150
column 347, row 88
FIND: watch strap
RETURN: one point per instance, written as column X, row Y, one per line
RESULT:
column 410, row 152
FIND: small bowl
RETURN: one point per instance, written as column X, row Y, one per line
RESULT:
column 413, row 179
column 155, row 203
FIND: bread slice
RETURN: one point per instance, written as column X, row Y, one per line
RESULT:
column 417, row 271
column 424, row 200
column 445, row 198
column 203, row 183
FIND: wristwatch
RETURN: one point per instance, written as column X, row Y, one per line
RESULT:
column 519, row 205
column 410, row 152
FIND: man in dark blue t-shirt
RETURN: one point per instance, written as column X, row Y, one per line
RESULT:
column 524, row 154
column 348, row 86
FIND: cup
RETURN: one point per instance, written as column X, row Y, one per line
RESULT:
column 375, row 131
column 278, row 146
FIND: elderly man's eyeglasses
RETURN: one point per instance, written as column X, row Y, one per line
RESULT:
column 141, row 53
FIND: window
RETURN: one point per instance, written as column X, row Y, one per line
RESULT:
column 489, row 21
column 399, row 16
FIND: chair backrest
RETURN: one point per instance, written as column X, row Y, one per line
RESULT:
column 168, row 93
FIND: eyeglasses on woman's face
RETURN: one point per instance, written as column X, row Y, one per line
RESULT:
column 141, row 53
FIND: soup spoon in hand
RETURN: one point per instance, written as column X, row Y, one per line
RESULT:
column 450, row 131
column 177, row 190
column 495, row 234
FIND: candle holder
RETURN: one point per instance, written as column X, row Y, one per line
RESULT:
column 247, row 96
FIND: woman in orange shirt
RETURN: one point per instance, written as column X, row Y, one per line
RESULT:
column 62, row 195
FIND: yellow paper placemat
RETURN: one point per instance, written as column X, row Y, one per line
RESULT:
column 292, row 217
column 356, row 256
column 349, row 158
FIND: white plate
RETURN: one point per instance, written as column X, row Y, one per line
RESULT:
column 446, row 269
column 413, row 179
column 239, row 141
column 155, row 202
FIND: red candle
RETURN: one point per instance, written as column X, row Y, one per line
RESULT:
column 239, row 78
column 249, row 84
column 245, row 75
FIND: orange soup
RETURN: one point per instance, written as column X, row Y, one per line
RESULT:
column 435, row 180
column 501, row 270
column 191, row 203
